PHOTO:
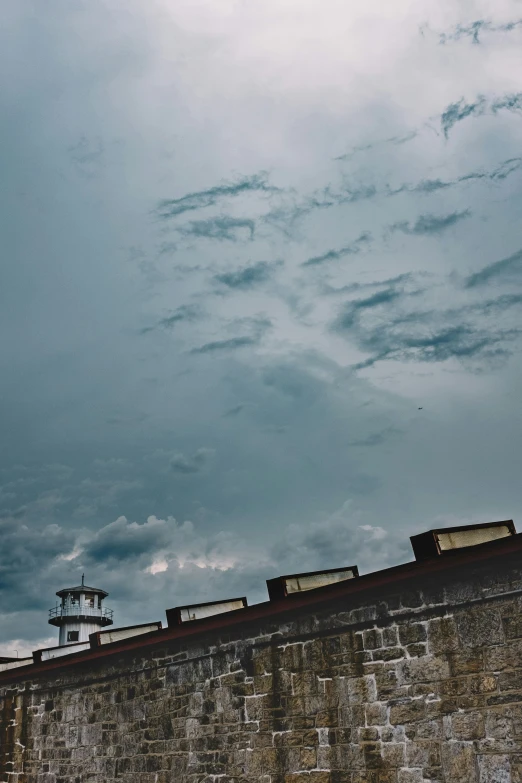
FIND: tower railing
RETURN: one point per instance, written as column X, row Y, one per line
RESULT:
column 76, row 610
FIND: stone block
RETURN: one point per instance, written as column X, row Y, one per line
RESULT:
column 494, row 769
column 427, row 669
column 394, row 754
column 468, row 726
column 513, row 627
column 411, row 633
column 407, row 711
column 410, row 776
column 480, row 626
column 458, row 762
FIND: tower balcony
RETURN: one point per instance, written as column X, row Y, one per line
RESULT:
column 59, row 615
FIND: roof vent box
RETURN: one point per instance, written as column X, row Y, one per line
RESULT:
column 434, row 543
column 283, row 586
column 185, row 614
column 100, row 638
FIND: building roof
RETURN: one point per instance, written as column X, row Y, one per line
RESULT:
column 433, row 571
column 81, row 589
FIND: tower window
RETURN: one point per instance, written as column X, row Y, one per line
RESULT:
column 73, row 636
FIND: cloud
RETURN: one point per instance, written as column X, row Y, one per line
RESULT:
column 220, row 228
column 286, row 214
column 88, row 156
column 333, row 255
column 248, row 276
column 376, row 438
column 257, row 326
column 474, row 29
column 123, row 540
column 25, row 551
column 506, row 270
column 460, row 342
column 456, row 112
column 231, row 344
column 339, row 539
column 182, row 314
column 429, row 336
column 352, row 311
column 427, row 225
column 235, row 411
column 257, row 183
column 184, row 465
column 393, row 140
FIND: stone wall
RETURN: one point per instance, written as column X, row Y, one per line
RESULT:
column 421, row 684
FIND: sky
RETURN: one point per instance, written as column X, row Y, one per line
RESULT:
column 260, row 292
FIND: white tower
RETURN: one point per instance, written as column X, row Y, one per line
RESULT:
column 80, row 613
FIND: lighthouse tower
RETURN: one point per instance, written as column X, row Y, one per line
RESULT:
column 80, row 613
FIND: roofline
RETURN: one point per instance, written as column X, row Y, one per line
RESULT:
column 368, row 583
column 81, row 589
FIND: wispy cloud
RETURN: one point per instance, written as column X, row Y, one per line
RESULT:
column 456, row 112
column 226, row 345
column 186, row 465
column 353, row 287
column 253, row 328
column 375, row 438
column 393, row 140
column 333, row 255
column 221, row 228
column 505, row 270
column 258, row 183
column 474, row 29
column 350, row 313
column 248, row 276
column 286, row 214
column 235, row 411
column 427, row 336
column 426, row 225
column 184, row 313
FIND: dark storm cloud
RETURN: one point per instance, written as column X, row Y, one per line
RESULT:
column 220, row 228
column 27, row 551
column 333, row 255
column 123, row 540
column 506, row 270
column 169, row 208
column 248, row 276
column 426, row 225
column 456, row 112
column 474, row 29
column 182, row 314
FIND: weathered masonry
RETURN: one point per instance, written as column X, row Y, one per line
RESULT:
column 407, row 675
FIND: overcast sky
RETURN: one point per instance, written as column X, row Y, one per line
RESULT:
column 260, row 297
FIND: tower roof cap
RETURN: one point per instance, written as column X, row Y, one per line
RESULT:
column 83, row 588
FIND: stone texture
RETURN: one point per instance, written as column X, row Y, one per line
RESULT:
column 419, row 686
